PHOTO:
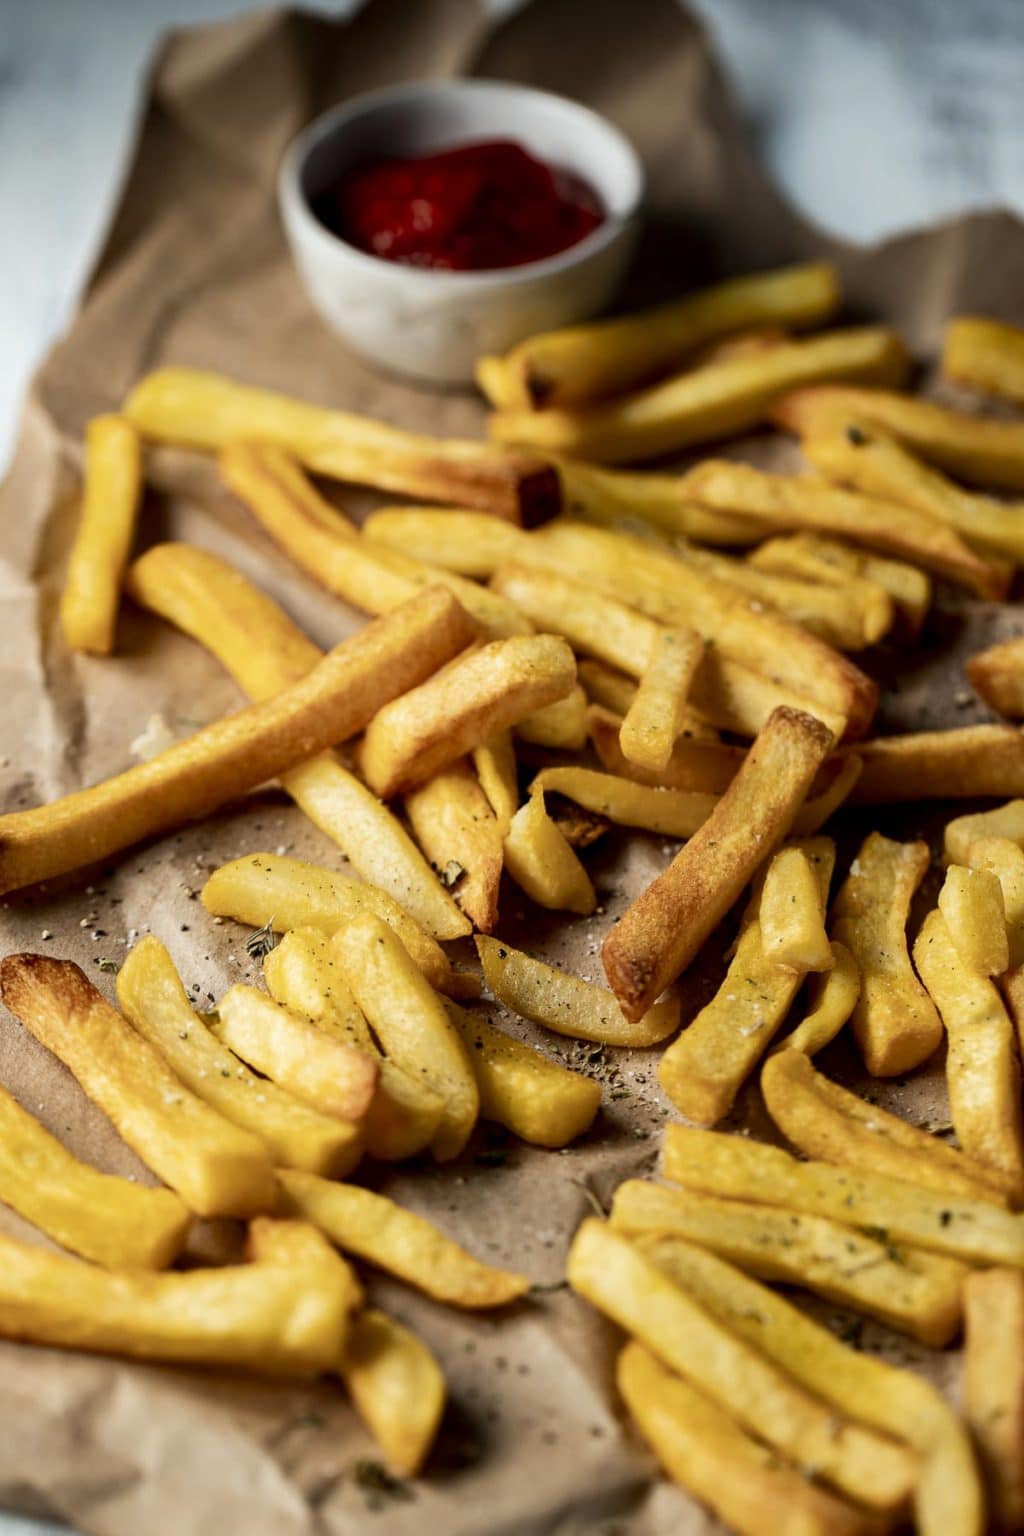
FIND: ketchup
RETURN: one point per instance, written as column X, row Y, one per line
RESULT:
column 470, row 209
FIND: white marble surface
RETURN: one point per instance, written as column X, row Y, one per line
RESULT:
column 876, row 116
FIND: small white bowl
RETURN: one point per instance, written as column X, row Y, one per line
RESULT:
column 433, row 325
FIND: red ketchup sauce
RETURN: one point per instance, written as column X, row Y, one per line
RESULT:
column 470, row 209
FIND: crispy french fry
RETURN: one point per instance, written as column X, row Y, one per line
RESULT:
column 662, row 930
column 291, row 1244
column 657, row 715
column 495, row 382
column 522, row 1089
column 972, row 907
column 917, row 1293
column 614, row 1276
column 207, row 411
column 705, row 1450
column 264, row 652
column 972, row 762
column 994, row 1387
column 217, row 1168
column 613, row 690
column 986, row 354
column 399, row 1241
column 1004, row 858
column 831, row 998
column 997, row 674
column 1003, row 821
column 813, row 557
column 615, row 497
column 467, row 543
column 152, row 997
column 895, row 1022
column 833, row 1125
column 567, row 1004
column 485, row 691
column 397, row 1388
column 410, row 1021
column 460, row 834
column 191, row 779
column 541, row 862
column 791, row 913
column 110, row 1220
column 495, row 764
column 670, row 812
column 561, row 726
column 746, row 343
column 695, row 767
column 103, row 541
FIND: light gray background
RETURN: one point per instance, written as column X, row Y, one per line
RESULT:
column 875, row 116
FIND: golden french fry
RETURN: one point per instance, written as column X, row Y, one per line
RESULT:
column 522, row 1089
column 705, row 1450
column 974, row 761
column 817, row 558
column 615, row 497
column 746, row 343
column 222, row 760
column 833, row 1125
column 152, row 997
column 566, row 1004
column 207, row 411
column 997, row 674
column 541, row 862
column 614, row 691
column 792, row 909
column 986, row 354
column 495, row 382
column 484, row 691
column 695, row 767
column 285, row 1243
column 994, row 1387
column 410, row 1021
column 614, row 1276
column 662, row 930
column 916, row 1293
column 894, row 1021
column 461, row 835
column 561, row 726
column 217, row 1168
column 657, row 715
column 1003, row 858
column 397, row 1388
column 831, row 998
column 670, row 812
column 466, row 543
column 399, row 1241
column 103, row 541
column 495, row 764
column 1003, row 821
column 972, row 907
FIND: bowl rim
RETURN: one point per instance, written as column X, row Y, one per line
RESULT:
column 295, row 208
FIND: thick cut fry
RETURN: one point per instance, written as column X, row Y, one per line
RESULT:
column 972, row 907
column 106, row 529
column 948, row 1499
column 567, row 1004
column 994, row 1387
column 705, row 1451
column 397, row 1388
column 410, row 1021
column 657, row 715
column 522, row 1089
column 541, row 862
column 468, row 543
column 217, row 1168
column 803, row 501
column 613, row 690
column 615, row 497
column 972, row 762
column 670, row 812
column 696, row 407
column 561, row 727
column 614, row 1276
column 738, row 1169
column 917, row 1293
column 400, row 1242
column 208, row 411
column 264, row 651
column 485, row 691
column 587, row 362
column 460, row 834
column 1003, row 821
column 831, row 999
column 792, row 910
column 982, row 1067
column 107, row 1219
column 997, row 674
column 662, row 930
column 895, row 1022
column 150, row 992
column 1004, row 859
column 191, row 779
column 496, row 768
column 299, row 1244
column 833, row 1125
column 810, row 555
column 988, row 355
column 695, row 767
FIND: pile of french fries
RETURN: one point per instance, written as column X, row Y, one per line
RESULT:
column 559, row 648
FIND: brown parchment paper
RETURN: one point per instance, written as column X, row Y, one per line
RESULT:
column 195, row 271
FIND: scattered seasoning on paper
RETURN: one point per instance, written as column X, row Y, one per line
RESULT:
column 259, row 943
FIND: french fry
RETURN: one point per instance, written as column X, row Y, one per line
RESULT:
column 1003, row 821
column 299, row 1244
column 662, row 930
column 895, row 1022
column 399, row 1241
column 152, row 997
column 460, row 834
column 495, row 382
column 522, row 1089
column 561, row 726
column 811, row 556
column 103, row 540
column 695, row 407
column 832, row 997
column 495, row 764
column 264, row 652
column 791, row 913
column 994, row 1387
column 616, row 497
column 614, row 1276
column 670, row 812
column 974, row 1231
column 567, row 1004
column 587, row 362
column 972, row 907
column 613, row 690
column 829, row 1123
column 110, row 1220
column 658, row 713
column 1004, row 858
column 971, row 762
column 485, row 691
column 411, row 1024
column 397, row 1388
column 467, row 543
column 695, row 767
column 222, row 760
column 982, row 1067
column 747, row 343
column 803, row 501
column 709, row 1455
column 997, row 674
column 541, row 862
column 986, row 354
column 217, row 1168
column 193, row 409
column 917, row 1293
